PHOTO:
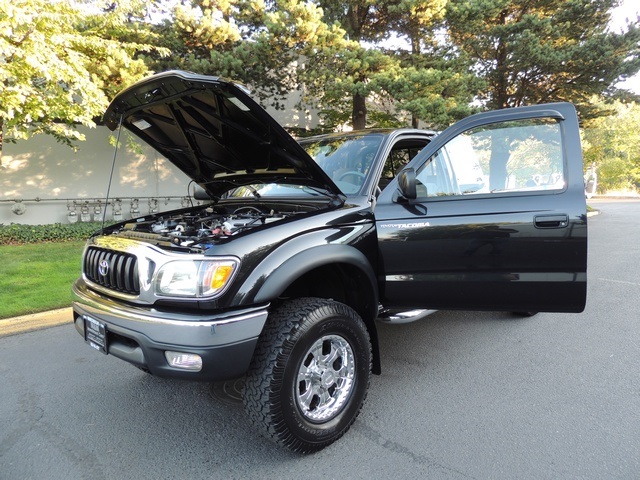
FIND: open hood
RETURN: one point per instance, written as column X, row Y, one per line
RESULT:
column 213, row 131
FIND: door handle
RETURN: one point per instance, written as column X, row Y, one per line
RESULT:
column 551, row 221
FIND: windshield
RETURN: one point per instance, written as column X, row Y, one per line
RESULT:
column 347, row 160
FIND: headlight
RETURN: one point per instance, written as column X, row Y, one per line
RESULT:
column 194, row 278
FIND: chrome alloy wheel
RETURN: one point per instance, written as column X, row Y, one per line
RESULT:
column 325, row 378
column 310, row 374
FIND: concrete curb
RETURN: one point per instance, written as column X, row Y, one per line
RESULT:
column 35, row 321
column 614, row 197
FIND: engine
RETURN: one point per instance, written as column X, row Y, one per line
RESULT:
column 198, row 229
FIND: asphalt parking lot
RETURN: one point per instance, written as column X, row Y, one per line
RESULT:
column 462, row 395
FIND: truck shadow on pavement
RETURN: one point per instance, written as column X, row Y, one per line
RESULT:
column 204, row 425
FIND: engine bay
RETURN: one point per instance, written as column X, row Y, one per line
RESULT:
column 200, row 228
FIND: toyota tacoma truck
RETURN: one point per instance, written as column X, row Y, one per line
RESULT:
column 293, row 250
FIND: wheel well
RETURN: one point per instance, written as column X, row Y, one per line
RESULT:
column 343, row 283
column 346, row 284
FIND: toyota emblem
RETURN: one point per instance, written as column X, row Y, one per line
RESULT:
column 103, row 268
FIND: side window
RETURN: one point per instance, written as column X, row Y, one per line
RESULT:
column 401, row 154
column 434, row 178
column 519, row 156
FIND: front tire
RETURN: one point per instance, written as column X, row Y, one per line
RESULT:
column 310, row 374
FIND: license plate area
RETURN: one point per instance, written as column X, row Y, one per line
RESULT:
column 95, row 334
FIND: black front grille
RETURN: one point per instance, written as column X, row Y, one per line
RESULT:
column 121, row 272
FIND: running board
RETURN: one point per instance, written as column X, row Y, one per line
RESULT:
column 404, row 317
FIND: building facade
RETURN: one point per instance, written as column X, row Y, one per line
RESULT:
column 44, row 182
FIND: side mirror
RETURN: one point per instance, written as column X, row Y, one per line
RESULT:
column 200, row 194
column 407, row 184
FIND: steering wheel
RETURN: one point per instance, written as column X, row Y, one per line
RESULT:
column 354, row 173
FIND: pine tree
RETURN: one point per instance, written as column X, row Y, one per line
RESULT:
column 536, row 52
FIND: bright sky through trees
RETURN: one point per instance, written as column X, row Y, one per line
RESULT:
column 628, row 10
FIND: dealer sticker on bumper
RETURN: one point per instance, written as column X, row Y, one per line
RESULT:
column 95, row 334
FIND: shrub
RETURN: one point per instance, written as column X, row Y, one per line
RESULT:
column 57, row 232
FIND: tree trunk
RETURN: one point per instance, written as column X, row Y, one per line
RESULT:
column 500, row 153
column 501, row 96
column 359, row 115
column 415, row 53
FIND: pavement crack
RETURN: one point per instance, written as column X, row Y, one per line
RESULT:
column 623, row 282
column 376, row 437
column 31, row 418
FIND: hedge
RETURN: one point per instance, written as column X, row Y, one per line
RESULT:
column 57, row 232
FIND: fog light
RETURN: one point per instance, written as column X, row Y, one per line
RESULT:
column 184, row 361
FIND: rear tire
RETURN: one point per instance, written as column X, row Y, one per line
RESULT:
column 525, row 314
column 310, row 374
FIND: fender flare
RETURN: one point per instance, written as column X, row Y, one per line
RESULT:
column 307, row 260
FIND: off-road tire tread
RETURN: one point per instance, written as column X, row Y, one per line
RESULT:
column 276, row 339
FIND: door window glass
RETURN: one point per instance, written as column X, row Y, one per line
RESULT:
column 519, row 156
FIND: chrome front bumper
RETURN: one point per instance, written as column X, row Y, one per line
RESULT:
column 141, row 335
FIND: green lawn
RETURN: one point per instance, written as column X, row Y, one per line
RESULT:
column 37, row 277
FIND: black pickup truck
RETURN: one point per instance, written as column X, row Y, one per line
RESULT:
column 294, row 249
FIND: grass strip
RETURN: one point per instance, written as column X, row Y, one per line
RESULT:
column 37, row 277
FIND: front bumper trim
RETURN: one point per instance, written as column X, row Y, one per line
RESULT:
column 140, row 336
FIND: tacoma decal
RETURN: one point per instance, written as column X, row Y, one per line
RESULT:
column 401, row 226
